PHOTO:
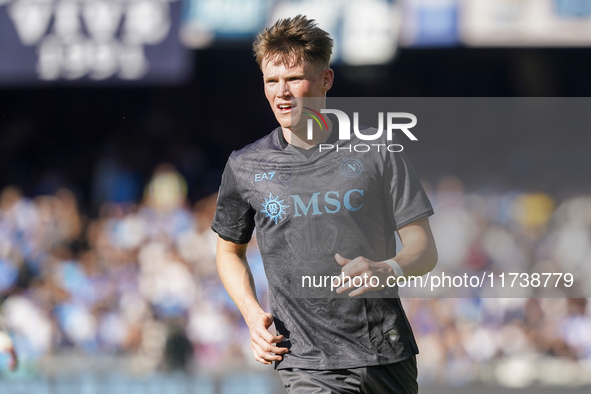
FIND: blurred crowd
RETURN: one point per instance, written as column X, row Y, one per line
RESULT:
column 140, row 281
column 512, row 341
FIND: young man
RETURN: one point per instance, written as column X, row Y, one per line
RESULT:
column 310, row 211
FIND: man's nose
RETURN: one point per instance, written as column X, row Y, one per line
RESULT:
column 283, row 89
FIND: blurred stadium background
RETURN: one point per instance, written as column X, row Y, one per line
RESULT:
column 116, row 119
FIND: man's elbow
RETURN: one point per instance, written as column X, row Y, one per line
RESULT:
column 432, row 256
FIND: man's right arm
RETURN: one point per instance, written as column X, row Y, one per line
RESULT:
column 239, row 283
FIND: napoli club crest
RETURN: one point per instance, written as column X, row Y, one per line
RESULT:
column 273, row 208
column 351, row 168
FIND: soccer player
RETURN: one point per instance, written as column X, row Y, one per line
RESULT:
column 321, row 212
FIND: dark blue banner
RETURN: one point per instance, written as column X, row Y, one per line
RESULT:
column 94, row 42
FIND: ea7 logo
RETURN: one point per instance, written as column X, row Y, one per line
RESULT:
column 345, row 125
column 264, row 175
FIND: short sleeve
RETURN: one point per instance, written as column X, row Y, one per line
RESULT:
column 234, row 217
column 406, row 200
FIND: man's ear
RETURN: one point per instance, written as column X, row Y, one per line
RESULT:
column 328, row 79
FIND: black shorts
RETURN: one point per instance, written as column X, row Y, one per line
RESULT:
column 396, row 378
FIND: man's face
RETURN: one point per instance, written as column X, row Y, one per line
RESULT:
column 283, row 83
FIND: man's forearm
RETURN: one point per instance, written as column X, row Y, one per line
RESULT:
column 238, row 280
column 419, row 253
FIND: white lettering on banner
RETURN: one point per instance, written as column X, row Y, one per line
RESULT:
column 370, row 31
column 325, row 12
column 365, row 31
column 102, row 19
column 146, row 22
column 31, row 19
column 94, row 38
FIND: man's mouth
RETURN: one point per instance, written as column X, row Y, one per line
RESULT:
column 284, row 107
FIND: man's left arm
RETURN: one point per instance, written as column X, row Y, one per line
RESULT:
column 419, row 253
column 417, row 257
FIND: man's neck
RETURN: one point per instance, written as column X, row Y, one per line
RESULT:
column 299, row 138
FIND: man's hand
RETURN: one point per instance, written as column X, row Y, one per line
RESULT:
column 261, row 340
column 238, row 281
column 417, row 257
column 361, row 266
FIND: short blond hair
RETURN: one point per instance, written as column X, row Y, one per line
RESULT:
column 293, row 40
